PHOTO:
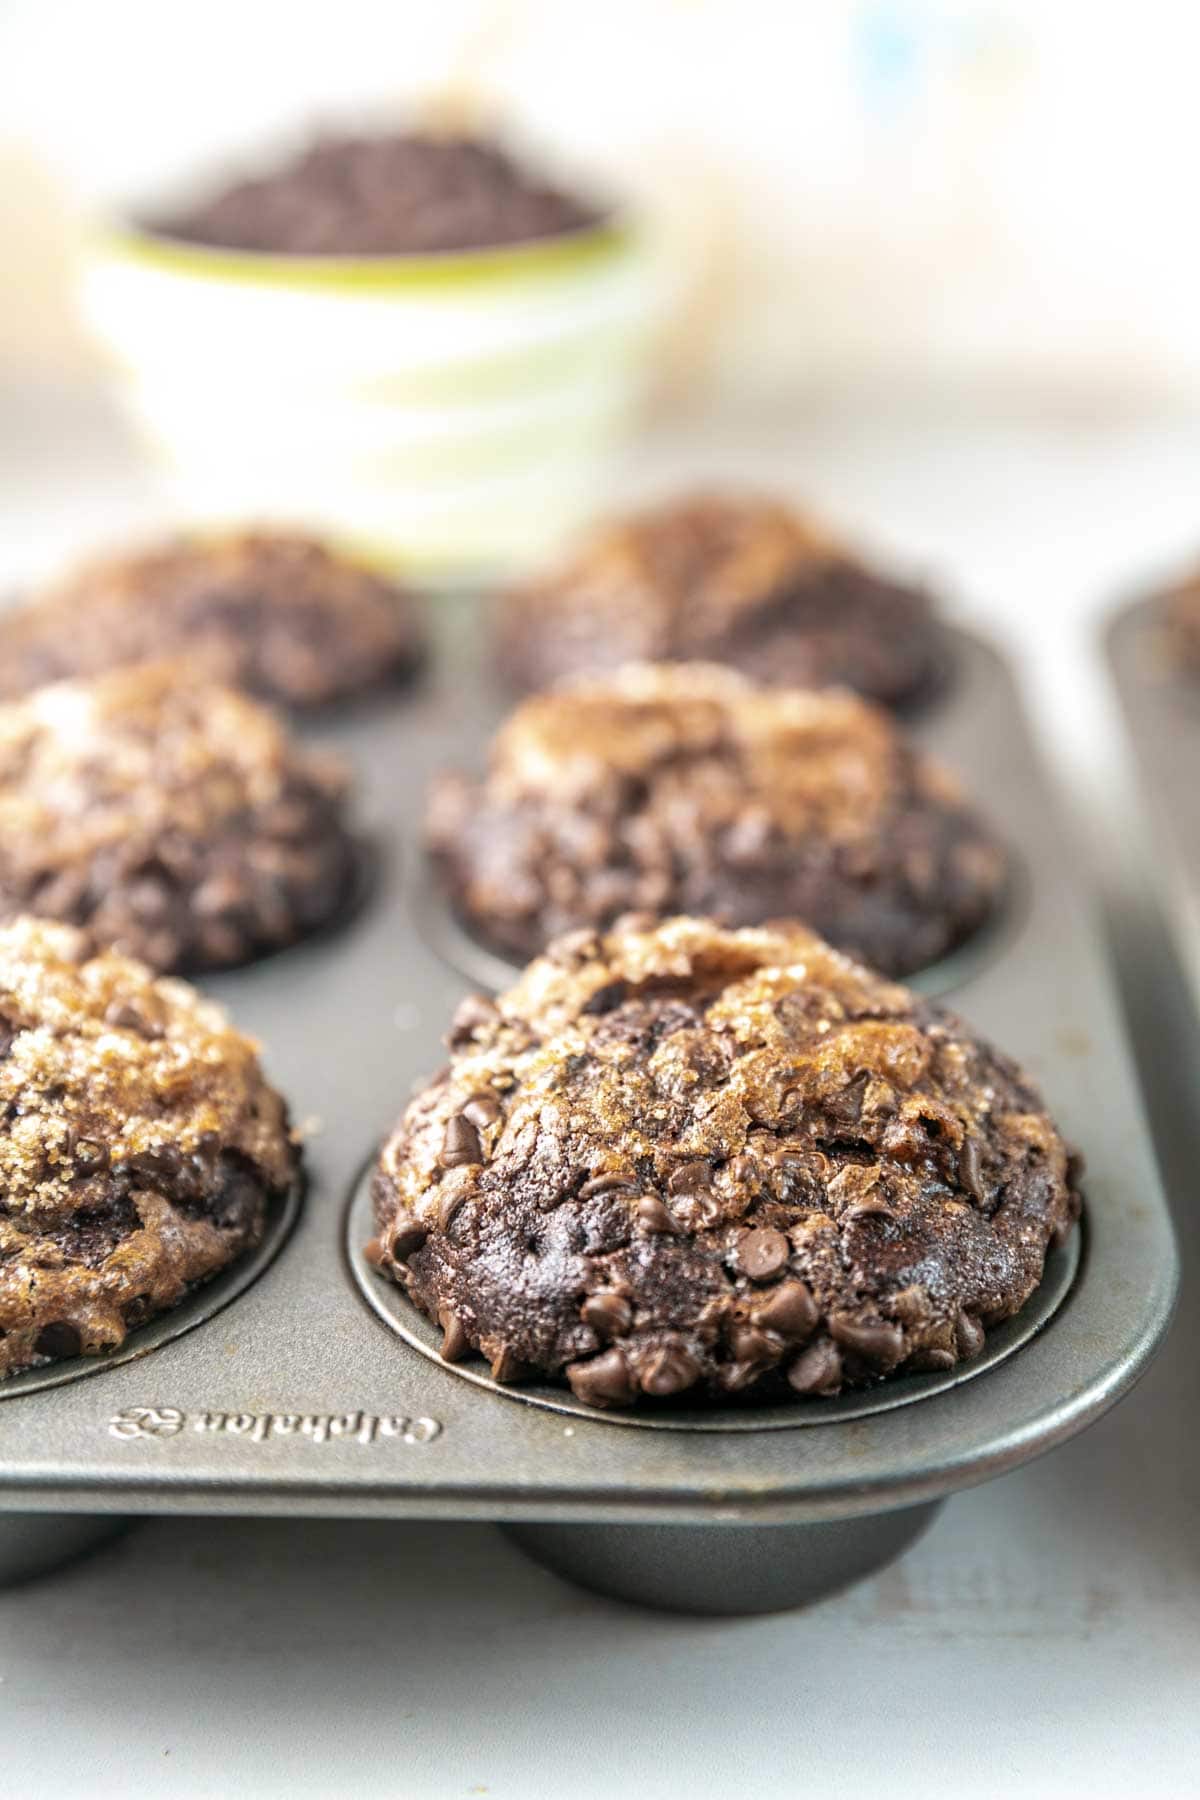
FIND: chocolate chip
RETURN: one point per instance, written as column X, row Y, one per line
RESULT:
column 507, row 1365
column 605, row 999
column 653, row 1214
column 790, row 1310
column 58, row 1339
column 875, row 1340
column 859, row 1210
column 374, row 1253
column 448, row 1206
column 762, row 1254
column 970, row 1170
column 750, row 1345
column 139, row 1016
column 472, row 1015
column 90, row 1157
column 606, row 1184
column 609, row 1315
column 932, row 1360
column 407, row 1237
column 482, row 1110
column 460, row 1145
column 605, row 1380
column 669, row 1371
column 455, row 1342
column 690, row 1176
column 969, row 1334
column 743, row 1169
column 817, row 1370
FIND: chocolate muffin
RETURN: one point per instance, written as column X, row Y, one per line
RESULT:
column 140, row 1145
column 175, row 819
column 740, row 580
column 282, row 615
column 395, row 194
column 686, row 788
column 680, row 1160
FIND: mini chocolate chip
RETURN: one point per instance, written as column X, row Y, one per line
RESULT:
column 653, row 1214
column 90, row 1156
column 932, row 1360
column 969, row 1334
column 865, row 1209
column 374, row 1252
column 130, row 1015
column 606, row 1184
column 750, row 1345
column 762, row 1254
column 605, row 999
column 790, row 1310
column 407, row 1237
column 690, row 1176
column 461, row 1145
column 448, row 1206
column 970, row 1170
column 506, row 1364
column 817, row 1370
column 58, row 1339
column 669, row 1371
column 604, row 1380
column 609, row 1315
column 471, row 1015
column 455, row 1343
column 875, row 1340
column 482, row 1110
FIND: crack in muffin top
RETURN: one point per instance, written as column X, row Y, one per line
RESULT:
column 676, row 1156
column 278, row 613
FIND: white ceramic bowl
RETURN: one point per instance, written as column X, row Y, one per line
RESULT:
column 457, row 411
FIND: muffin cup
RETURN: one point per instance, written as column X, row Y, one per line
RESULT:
column 441, row 409
column 298, row 1399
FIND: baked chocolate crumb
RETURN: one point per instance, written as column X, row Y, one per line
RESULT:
column 393, row 194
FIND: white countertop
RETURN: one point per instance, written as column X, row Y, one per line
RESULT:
column 1043, row 1637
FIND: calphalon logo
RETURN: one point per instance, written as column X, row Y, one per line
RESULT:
column 256, row 1428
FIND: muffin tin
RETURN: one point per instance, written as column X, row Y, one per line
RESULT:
column 298, row 1397
column 1161, row 705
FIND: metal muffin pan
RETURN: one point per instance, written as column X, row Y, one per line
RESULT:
column 299, row 1399
column 1161, row 705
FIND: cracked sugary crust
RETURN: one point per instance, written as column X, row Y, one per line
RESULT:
column 686, row 788
column 139, row 1144
column 176, row 820
column 735, row 579
column 279, row 614
column 677, row 1159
